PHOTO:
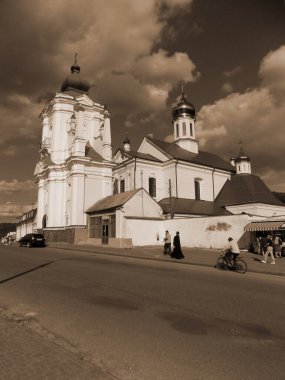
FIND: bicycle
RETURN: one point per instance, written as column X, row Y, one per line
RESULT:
column 225, row 262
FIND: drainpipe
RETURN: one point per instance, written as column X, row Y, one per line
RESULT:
column 135, row 171
column 176, row 182
column 213, row 182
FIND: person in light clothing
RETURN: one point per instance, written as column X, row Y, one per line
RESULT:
column 269, row 251
column 167, row 243
column 232, row 248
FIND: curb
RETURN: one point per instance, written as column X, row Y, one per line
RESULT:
column 110, row 253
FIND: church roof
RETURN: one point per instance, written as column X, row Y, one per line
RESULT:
column 201, row 158
column 134, row 153
column 192, row 206
column 112, row 201
column 91, row 153
column 246, row 188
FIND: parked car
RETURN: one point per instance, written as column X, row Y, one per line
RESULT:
column 32, row 240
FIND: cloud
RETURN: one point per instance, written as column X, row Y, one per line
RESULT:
column 116, row 53
column 16, row 197
column 232, row 72
column 256, row 117
column 227, row 87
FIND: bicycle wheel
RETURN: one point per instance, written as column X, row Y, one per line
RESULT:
column 241, row 266
column 222, row 263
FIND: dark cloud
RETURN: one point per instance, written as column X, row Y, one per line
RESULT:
column 135, row 58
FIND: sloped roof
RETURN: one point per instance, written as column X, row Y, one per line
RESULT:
column 134, row 153
column 202, row 158
column 91, row 153
column 192, row 206
column 112, row 201
column 246, row 188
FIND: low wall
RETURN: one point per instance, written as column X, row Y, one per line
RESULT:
column 207, row 232
column 68, row 235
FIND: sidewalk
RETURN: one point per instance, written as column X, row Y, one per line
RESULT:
column 193, row 256
column 26, row 355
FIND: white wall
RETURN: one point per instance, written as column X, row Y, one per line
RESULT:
column 209, row 232
column 258, row 209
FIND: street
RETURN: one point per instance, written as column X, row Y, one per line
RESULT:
column 141, row 319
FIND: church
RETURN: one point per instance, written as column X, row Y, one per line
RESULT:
column 88, row 195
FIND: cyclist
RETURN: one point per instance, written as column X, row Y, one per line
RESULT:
column 232, row 249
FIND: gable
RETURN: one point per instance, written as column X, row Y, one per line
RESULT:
column 147, row 147
column 120, row 156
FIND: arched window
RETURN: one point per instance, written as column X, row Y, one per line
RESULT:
column 177, row 130
column 184, row 128
column 197, row 188
column 191, row 129
column 152, row 187
column 122, row 186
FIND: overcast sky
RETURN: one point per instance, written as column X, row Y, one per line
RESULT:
column 229, row 53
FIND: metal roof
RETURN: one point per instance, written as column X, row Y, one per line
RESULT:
column 192, row 207
column 200, row 158
column 112, row 201
column 246, row 188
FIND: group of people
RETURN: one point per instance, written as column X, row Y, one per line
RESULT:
column 176, row 253
column 270, row 246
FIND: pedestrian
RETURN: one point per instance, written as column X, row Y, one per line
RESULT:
column 269, row 251
column 277, row 246
column 232, row 249
column 167, row 243
column 283, row 248
column 258, row 245
column 263, row 244
column 177, row 252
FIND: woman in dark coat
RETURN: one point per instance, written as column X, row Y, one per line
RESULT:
column 177, row 252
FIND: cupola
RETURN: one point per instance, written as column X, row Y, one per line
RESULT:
column 184, row 117
column 127, row 144
column 242, row 163
column 74, row 82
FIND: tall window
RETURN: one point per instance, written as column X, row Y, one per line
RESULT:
column 122, row 186
column 184, row 128
column 152, row 187
column 197, row 189
column 177, row 130
column 191, row 129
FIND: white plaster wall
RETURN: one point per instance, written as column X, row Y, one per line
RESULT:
column 258, row 209
column 220, row 178
column 211, row 232
column 141, row 204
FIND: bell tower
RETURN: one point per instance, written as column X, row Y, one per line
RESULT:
column 242, row 162
column 183, row 116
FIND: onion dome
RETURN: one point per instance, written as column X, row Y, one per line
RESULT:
column 127, row 144
column 183, row 107
column 74, row 82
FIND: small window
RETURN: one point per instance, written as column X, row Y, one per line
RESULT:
column 152, row 187
column 197, row 189
column 191, row 129
column 184, row 128
column 177, row 130
column 122, row 186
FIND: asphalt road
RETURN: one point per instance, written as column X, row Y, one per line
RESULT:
column 150, row 320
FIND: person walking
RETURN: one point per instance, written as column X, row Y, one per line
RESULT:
column 269, row 251
column 177, row 252
column 277, row 246
column 167, row 243
column 263, row 244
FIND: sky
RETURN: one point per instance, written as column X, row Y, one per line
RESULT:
column 229, row 53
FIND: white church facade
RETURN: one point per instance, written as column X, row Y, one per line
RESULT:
column 87, row 195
